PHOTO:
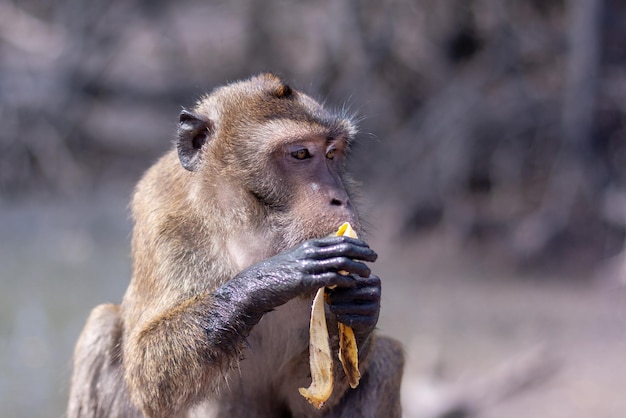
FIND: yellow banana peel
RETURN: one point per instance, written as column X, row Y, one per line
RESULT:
column 320, row 357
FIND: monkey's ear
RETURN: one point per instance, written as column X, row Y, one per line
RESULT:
column 193, row 132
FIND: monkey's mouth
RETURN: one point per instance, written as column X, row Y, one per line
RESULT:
column 332, row 230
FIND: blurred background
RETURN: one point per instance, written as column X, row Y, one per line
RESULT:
column 492, row 156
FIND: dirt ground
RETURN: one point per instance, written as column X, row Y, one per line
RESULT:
column 469, row 329
column 473, row 328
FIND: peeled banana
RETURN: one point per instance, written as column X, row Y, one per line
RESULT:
column 320, row 357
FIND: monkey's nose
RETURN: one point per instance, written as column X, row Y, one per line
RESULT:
column 342, row 202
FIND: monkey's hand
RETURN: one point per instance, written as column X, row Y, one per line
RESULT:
column 304, row 269
column 359, row 306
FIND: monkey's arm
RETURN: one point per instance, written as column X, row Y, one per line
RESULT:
column 176, row 358
column 97, row 364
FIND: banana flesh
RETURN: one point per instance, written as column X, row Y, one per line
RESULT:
column 320, row 357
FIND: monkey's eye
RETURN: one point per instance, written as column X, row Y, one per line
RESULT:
column 301, row 154
column 330, row 154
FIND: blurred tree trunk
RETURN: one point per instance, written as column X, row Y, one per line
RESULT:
column 571, row 174
column 581, row 72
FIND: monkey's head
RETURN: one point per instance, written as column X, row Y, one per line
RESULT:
column 268, row 156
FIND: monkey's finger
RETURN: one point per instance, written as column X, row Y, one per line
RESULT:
column 347, row 249
column 372, row 281
column 359, row 322
column 355, row 308
column 333, row 240
column 354, row 295
column 330, row 278
column 342, row 264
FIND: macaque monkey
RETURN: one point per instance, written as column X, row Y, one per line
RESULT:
column 230, row 243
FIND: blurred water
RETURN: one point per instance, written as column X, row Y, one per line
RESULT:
column 58, row 259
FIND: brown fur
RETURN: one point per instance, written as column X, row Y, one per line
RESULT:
column 194, row 231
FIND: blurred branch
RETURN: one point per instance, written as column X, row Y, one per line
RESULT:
column 430, row 397
column 30, row 34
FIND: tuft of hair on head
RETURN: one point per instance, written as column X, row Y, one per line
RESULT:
column 283, row 91
column 277, row 87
